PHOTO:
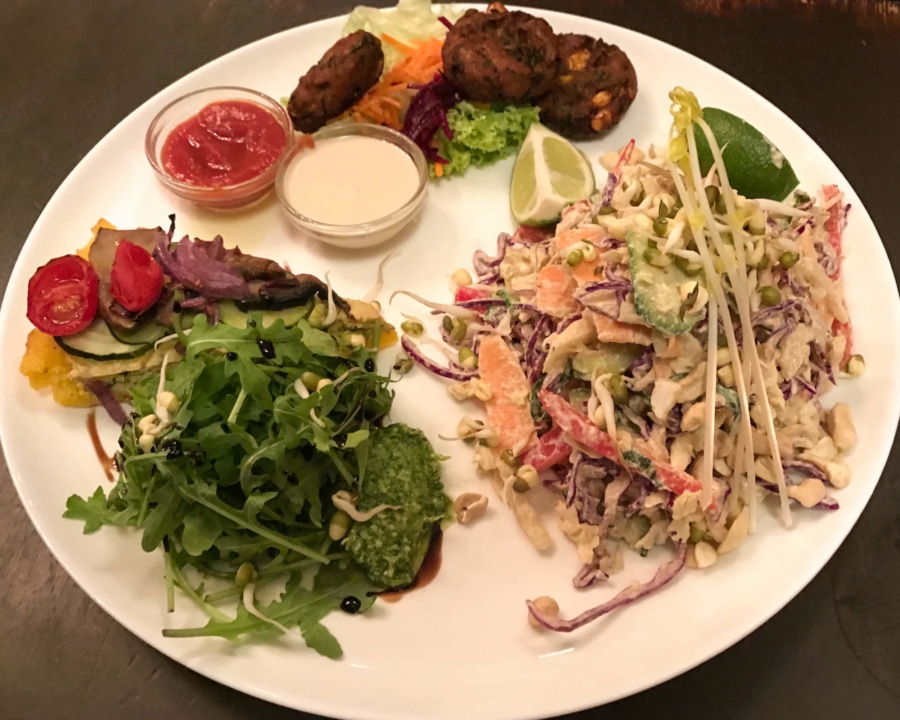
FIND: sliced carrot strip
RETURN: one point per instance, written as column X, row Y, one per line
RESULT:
column 613, row 331
column 509, row 407
column 386, row 102
column 555, row 291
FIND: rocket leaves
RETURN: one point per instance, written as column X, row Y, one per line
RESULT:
column 238, row 482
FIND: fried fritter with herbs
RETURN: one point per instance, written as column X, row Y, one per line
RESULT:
column 344, row 74
column 498, row 56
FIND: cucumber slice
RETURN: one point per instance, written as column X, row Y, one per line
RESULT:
column 146, row 332
column 657, row 290
column 731, row 400
column 96, row 342
column 608, row 358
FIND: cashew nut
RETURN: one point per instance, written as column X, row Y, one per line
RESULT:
column 681, row 453
column 737, row 533
column 469, row 506
column 824, row 449
column 726, row 375
column 808, row 493
column 840, row 426
column 693, row 418
column 837, row 472
column 663, row 397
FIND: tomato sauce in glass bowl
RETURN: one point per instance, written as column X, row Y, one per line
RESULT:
column 219, row 147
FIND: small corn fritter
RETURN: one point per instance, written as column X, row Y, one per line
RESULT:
column 595, row 86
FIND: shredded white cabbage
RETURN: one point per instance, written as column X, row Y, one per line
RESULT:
column 410, row 20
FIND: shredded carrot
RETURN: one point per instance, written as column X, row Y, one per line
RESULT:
column 439, row 169
column 395, row 43
column 386, row 102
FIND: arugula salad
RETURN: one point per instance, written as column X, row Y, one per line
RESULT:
column 260, row 455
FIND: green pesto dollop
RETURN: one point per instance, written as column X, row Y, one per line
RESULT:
column 402, row 469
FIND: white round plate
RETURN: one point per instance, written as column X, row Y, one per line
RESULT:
column 460, row 648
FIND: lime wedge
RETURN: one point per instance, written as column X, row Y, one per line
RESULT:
column 756, row 168
column 550, row 173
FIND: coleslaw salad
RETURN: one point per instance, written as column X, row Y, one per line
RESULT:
column 658, row 361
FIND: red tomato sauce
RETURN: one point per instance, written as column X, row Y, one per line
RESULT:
column 226, row 143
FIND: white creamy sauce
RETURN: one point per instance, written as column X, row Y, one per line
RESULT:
column 349, row 180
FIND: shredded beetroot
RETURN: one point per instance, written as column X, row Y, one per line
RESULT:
column 427, row 114
column 484, row 263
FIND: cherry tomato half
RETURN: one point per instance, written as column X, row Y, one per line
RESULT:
column 136, row 279
column 63, row 296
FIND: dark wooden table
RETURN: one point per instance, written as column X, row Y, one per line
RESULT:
column 71, row 69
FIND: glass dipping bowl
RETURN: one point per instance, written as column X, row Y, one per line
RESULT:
column 223, row 197
column 362, row 234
